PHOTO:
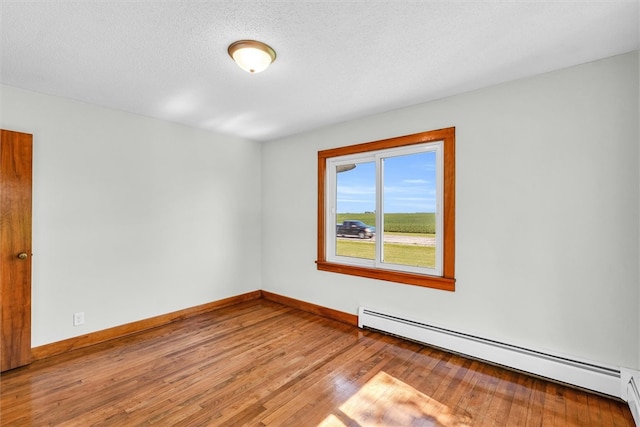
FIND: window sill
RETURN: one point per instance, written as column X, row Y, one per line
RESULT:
column 443, row 283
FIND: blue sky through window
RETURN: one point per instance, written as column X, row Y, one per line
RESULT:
column 409, row 185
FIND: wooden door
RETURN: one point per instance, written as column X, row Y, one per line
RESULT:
column 15, row 249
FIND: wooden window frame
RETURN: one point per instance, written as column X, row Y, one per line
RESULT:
column 444, row 282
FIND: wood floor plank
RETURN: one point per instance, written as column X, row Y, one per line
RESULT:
column 261, row 363
column 500, row 404
column 520, row 404
column 348, row 372
column 478, row 397
column 558, row 405
column 572, row 412
column 582, row 408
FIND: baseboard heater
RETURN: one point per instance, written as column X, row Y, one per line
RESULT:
column 633, row 398
column 591, row 376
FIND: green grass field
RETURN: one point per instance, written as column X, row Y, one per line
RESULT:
column 397, row 222
column 404, row 223
column 419, row 256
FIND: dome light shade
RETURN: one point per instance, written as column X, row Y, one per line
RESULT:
column 252, row 56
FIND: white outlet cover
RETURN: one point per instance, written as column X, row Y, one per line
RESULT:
column 78, row 319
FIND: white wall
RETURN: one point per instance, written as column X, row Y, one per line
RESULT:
column 133, row 217
column 547, row 218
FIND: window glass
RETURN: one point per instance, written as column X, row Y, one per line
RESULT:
column 355, row 216
column 409, row 197
column 384, row 204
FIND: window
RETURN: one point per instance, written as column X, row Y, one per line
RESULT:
column 386, row 209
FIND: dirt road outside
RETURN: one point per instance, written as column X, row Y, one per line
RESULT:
column 401, row 239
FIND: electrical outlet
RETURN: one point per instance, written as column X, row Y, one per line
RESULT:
column 78, row 318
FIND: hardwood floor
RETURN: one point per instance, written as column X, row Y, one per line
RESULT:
column 260, row 363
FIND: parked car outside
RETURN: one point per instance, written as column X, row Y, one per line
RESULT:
column 355, row 228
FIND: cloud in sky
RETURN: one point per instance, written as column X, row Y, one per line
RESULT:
column 356, row 190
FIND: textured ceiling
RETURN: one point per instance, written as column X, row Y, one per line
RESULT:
column 337, row 60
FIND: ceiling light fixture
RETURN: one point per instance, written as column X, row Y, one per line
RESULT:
column 252, row 56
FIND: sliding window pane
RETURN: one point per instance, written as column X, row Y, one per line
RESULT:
column 355, row 210
column 409, row 206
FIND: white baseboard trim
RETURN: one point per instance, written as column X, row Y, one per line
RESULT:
column 581, row 373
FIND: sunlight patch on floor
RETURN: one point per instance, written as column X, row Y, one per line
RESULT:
column 387, row 401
